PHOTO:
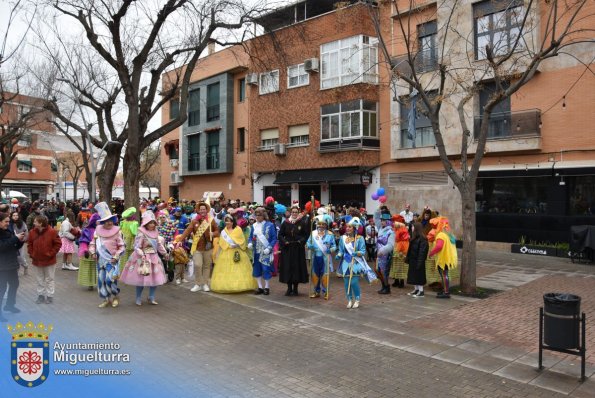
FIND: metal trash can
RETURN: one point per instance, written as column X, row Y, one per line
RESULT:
column 561, row 320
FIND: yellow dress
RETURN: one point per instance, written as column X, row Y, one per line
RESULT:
column 230, row 276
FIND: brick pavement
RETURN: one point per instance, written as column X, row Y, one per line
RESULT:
column 244, row 345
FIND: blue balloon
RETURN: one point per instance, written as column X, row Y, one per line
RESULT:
column 380, row 191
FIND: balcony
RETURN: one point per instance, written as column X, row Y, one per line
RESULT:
column 423, row 61
column 349, row 144
column 213, row 161
column 512, row 131
column 193, row 162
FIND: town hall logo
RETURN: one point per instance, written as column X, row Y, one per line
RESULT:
column 30, row 353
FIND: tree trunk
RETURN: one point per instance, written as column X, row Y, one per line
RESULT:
column 150, row 194
column 131, row 182
column 468, row 261
column 105, row 179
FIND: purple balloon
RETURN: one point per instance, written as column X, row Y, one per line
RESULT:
column 374, row 196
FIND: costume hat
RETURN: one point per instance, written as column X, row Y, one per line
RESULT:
column 104, row 211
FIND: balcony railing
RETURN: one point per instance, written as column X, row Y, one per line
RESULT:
column 423, row 61
column 504, row 125
column 213, row 113
column 193, row 162
column 349, row 144
column 213, row 161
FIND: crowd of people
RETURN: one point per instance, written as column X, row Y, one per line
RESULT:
column 229, row 247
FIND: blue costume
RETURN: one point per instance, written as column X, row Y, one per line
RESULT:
column 263, row 237
column 351, row 253
column 385, row 245
column 322, row 243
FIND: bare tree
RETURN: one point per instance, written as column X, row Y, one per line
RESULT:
column 74, row 164
column 134, row 44
column 150, row 175
column 541, row 30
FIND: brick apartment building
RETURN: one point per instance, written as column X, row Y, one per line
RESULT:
column 311, row 109
column 34, row 169
column 538, row 175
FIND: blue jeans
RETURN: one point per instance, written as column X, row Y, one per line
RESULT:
column 354, row 290
column 139, row 292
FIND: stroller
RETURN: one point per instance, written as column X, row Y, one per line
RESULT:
column 582, row 243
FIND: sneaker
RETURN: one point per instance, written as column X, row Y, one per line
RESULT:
column 443, row 295
column 349, row 304
column 267, row 291
column 195, row 289
column 115, row 302
column 178, row 281
column 49, row 300
column 139, row 303
column 205, row 288
column 12, row 309
column 413, row 293
column 72, row 267
column 259, row 291
column 419, row 294
column 40, row 300
column 355, row 304
column 314, row 295
column 104, row 304
column 184, row 281
column 64, row 267
column 152, row 301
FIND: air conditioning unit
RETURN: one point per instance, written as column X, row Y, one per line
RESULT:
column 311, row 65
column 252, row 78
column 173, row 162
column 175, row 178
column 280, row 149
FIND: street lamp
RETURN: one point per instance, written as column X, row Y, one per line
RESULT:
column 86, row 128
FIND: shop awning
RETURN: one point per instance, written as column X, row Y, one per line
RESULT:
column 314, row 176
column 212, row 195
column 25, row 162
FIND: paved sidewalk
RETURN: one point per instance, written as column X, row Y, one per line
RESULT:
column 246, row 345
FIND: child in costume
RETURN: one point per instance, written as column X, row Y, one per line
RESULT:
column 385, row 243
column 352, row 249
column 445, row 251
column 322, row 243
column 181, row 259
column 107, row 246
column 87, row 275
column 129, row 227
column 263, row 237
column 400, row 268
column 147, row 247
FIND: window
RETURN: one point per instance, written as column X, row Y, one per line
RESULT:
column 353, row 119
column 427, row 58
column 172, row 151
column 268, row 139
column 213, row 102
column 299, row 135
column 241, row 139
column 348, row 61
column 54, row 167
column 297, row 76
column 194, row 152
column 194, row 108
column 24, row 166
column 497, row 25
column 268, row 82
column 174, row 109
column 241, row 90
column 501, row 118
column 424, row 135
column 213, row 150
column 25, row 140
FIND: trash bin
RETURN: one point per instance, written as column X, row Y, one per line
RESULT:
column 561, row 320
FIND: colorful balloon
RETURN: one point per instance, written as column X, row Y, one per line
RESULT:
column 374, row 196
column 382, row 199
column 380, row 191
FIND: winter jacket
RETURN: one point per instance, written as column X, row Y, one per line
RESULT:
column 65, row 228
column 43, row 246
column 9, row 250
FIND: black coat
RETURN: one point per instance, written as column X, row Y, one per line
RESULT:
column 416, row 258
column 292, row 242
column 9, row 250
